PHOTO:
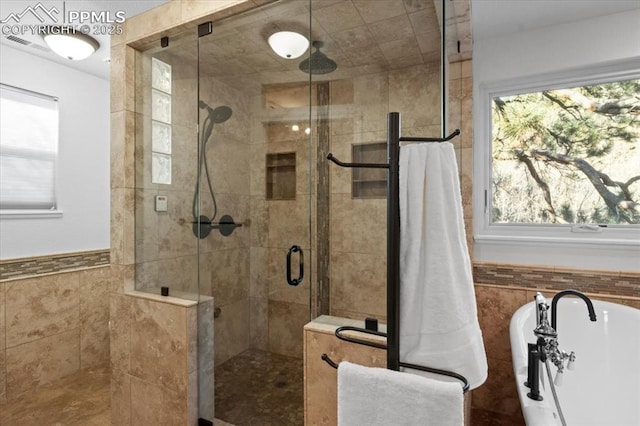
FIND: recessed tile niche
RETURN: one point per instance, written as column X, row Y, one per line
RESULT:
column 369, row 183
column 281, row 176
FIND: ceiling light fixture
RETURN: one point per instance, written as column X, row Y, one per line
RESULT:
column 288, row 44
column 69, row 42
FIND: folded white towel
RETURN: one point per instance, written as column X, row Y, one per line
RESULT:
column 438, row 315
column 381, row 397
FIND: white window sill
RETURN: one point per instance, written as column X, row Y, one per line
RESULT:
column 30, row 214
column 579, row 253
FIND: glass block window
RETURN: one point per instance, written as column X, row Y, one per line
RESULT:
column 160, row 122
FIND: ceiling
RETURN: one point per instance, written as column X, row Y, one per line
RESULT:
column 97, row 64
column 496, row 18
column 361, row 35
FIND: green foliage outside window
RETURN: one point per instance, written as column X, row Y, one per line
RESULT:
column 567, row 156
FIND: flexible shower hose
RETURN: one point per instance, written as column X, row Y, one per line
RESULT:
column 208, row 127
column 553, row 391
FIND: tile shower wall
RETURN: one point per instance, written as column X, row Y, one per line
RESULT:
column 358, row 226
column 167, row 252
column 126, row 193
column 225, row 261
column 280, row 310
column 52, row 326
column 165, row 247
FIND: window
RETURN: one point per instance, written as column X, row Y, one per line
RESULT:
column 160, row 122
column 28, row 151
column 567, row 156
column 560, row 169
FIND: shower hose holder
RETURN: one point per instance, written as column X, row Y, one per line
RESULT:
column 202, row 228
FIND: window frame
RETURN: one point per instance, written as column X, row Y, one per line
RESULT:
column 35, row 213
column 545, row 244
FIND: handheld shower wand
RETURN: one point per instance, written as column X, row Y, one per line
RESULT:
column 202, row 224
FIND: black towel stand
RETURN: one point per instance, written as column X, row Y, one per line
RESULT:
column 393, row 255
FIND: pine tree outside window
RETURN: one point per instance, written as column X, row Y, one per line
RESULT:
column 557, row 170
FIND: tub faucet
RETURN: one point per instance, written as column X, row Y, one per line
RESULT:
column 542, row 317
column 547, row 342
column 547, row 337
column 558, row 296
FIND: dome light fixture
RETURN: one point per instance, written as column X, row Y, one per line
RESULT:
column 69, row 42
column 288, row 44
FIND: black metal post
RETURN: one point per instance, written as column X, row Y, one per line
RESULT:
column 534, row 381
column 393, row 242
column 531, row 347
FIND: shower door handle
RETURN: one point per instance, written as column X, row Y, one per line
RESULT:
column 295, row 281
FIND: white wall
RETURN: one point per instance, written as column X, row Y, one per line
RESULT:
column 564, row 49
column 83, row 166
column 549, row 49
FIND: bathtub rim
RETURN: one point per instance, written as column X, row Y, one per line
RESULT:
column 539, row 413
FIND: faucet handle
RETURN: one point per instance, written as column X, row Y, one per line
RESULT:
column 559, row 377
column 572, row 361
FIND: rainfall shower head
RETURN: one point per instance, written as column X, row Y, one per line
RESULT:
column 318, row 62
column 219, row 114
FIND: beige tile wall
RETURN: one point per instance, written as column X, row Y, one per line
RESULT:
column 282, row 309
column 358, row 226
column 52, row 326
column 320, row 387
column 167, row 253
column 156, row 360
column 39, row 265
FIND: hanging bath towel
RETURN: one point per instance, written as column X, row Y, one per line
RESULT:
column 380, row 397
column 438, row 314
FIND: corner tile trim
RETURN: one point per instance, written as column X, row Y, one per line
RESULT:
column 626, row 284
column 11, row 269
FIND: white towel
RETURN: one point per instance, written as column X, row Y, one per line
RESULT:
column 438, row 314
column 380, row 397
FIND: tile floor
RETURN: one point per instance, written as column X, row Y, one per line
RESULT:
column 253, row 388
column 79, row 399
column 260, row 388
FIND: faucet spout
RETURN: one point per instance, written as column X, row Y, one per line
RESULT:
column 558, row 296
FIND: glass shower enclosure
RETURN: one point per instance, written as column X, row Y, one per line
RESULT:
column 235, row 199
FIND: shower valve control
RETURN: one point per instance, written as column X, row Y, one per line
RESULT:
column 162, row 203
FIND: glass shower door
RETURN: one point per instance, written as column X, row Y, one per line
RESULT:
column 253, row 211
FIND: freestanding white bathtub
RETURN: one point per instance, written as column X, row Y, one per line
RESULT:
column 604, row 387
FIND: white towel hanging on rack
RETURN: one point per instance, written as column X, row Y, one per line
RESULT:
column 438, row 314
column 380, row 397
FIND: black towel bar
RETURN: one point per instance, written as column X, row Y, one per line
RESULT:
column 339, row 334
column 393, row 253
